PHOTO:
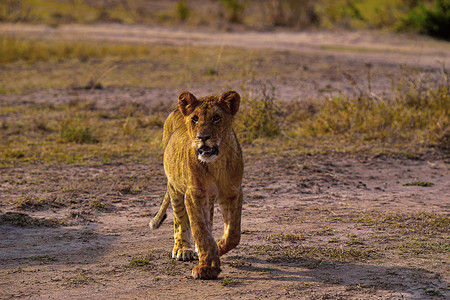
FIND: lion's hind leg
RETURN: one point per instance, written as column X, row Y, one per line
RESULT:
column 182, row 231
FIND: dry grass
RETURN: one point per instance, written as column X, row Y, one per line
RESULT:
column 14, row 49
column 228, row 281
column 415, row 120
column 381, row 235
column 421, row 223
column 292, row 253
column 24, row 220
column 30, row 64
column 278, row 238
column 31, row 202
column 78, row 132
column 260, row 113
column 143, row 261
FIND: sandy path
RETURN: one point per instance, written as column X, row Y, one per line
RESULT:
column 367, row 46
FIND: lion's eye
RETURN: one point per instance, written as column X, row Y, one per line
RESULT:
column 195, row 119
column 216, row 119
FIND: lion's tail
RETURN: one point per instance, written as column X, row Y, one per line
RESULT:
column 161, row 215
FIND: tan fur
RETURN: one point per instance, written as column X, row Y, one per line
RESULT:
column 203, row 161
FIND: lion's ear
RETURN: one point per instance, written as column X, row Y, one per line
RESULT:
column 232, row 100
column 187, row 103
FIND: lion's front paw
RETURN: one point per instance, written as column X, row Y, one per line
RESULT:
column 205, row 272
column 183, row 254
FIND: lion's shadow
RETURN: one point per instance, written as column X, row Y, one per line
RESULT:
column 410, row 280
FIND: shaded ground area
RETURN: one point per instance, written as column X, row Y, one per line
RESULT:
column 314, row 227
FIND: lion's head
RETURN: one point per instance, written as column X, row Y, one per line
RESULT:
column 208, row 121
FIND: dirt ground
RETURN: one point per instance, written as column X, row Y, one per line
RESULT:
column 84, row 252
column 313, row 227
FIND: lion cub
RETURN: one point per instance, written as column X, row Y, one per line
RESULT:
column 202, row 161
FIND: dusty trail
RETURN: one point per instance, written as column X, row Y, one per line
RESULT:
column 321, row 60
column 364, row 46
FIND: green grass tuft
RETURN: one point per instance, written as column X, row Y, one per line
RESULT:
column 260, row 114
column 143, row 261
column 183, row 11
column 292, row 253
column 423, row 247
column 72, row 130
column 424, row 223
column 432, row 292
column 98, row 205
column 34, row 202
column 24, row 220
column 419, row 183
column 228, row 281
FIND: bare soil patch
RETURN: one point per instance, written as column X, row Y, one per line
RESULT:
column 313, row 227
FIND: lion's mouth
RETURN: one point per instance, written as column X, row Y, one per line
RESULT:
column 206, row 151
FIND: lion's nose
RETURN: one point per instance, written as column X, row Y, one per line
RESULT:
column 203, row 137
column 204, row 134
